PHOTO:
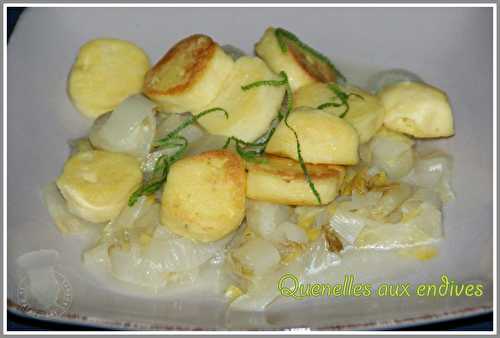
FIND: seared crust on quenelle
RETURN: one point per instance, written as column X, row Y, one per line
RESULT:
column 189, row 75
column 281, row 180
column 301, row 67
column 204, row 196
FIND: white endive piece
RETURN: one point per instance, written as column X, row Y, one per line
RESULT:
column 264, row 217
column 420, row 225
column 129, row 129
column 392, row 152
column 348, row 224
column 258, row 255
column 172, row 253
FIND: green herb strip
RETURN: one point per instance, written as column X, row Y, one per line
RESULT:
column 282, row 35
column 342, row 97
column 253, row 151
column 164, row 162
column 299, row 152
column 167, row 139
column 259, row 147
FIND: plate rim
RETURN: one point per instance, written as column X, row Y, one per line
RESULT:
column 142, row 325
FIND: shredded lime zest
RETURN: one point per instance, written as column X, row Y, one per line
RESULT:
column 187, row 123
column 299, row 152
column 275, row 83
column 164, row 162
column 253, row 151
column 341, row 96
column 145, row 189
column 249, row 151
column 282, row 35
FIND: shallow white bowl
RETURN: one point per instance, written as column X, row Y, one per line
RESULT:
column 448, row 47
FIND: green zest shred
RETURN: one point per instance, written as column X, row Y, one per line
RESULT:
column 164, row 162
column 253, row 151
column 174, row 133
column 339, row 96
column 282, row 35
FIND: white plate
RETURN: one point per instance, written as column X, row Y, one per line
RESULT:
column 448, row 47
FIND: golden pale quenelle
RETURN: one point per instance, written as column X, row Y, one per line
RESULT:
column 301, row 66
column 98, row 184
column 249, row 111
column 281, row 180
column 324, row 138
column 365, row 113
column 189, row 76
column 204, row 196
column 105, row 73
column 417, row 109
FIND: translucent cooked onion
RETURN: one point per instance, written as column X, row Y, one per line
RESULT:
column 129, row 225
column 349, row 224
column 98, row 256
column 167, row 122
column 393, row 153
column 428, row 218
column 389, row 77
column 128, row 265
column 264, row 217
column 257, row 255
column 421, row 225
column 129, row 129
column 318, row 258
column 136, row 249
column 307, row 216
column 390, row 236
column 433, row 170
column 263, row 290
column 288, row 231
column 419, row 196
column 173, row 253
column 149, row 162
column 362, row 201
column 130, row 214
column 66, row 222
column 205, row 143
column 392, row 199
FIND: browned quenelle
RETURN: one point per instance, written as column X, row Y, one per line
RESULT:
column 301, row 63
column 204, row 196
column 315, row 67
column 189, row 75
column 281, row 180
